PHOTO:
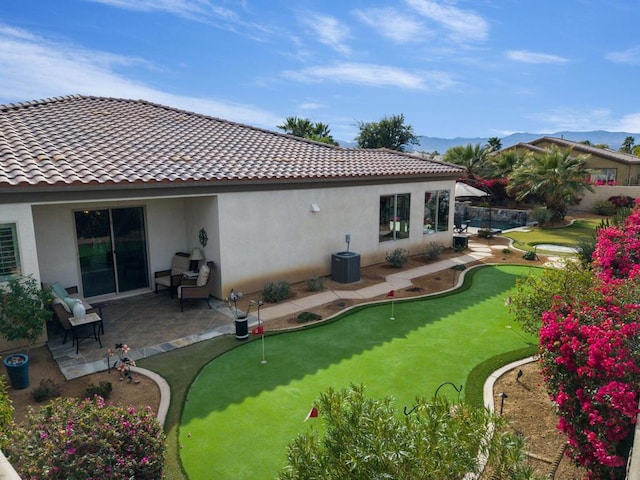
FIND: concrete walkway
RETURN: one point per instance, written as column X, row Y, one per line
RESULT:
column 394, row 281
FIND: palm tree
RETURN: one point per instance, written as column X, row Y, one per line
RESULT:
column 471, row 157
column 303, row 127
column 501, row 165
column 555, row 176
column 494, row 144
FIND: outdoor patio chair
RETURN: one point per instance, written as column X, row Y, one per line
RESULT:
column 62, row 309
column 199, row 289
column 460, row 227
column 173, row 277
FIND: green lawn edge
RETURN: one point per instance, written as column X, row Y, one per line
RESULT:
column 180, row 368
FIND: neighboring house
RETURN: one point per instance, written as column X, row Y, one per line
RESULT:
column 101, row 192
column 607, row 166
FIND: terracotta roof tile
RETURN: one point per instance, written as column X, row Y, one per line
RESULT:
column 83, row 140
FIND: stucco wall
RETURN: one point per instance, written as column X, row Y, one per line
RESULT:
column 603, row 192
column 272, row 236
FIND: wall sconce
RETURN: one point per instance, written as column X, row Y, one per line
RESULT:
column 315, row 207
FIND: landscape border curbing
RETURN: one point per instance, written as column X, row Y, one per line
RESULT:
column 165, row 393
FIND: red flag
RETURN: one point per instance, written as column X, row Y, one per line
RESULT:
column 391, row 294
column 313, row 413
column 259, row 330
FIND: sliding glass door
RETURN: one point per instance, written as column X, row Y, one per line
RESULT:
column 112, row 249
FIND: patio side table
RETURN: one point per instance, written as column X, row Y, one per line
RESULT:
column 92, row 320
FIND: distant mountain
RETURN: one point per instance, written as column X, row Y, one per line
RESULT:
column 441, row 145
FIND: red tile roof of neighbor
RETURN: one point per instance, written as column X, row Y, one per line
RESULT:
column 84, row 140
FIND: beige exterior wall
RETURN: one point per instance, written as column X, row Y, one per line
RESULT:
column 273, row 236
column 603, row 192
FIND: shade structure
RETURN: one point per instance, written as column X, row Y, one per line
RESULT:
column 465, row 190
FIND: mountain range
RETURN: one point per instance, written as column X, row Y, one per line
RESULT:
column 441, row 145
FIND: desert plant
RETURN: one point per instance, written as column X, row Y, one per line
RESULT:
column 307, row 317
column 506, row 251
column 398, row 257
column 24, row 309
column 604, row 207
column 103, row 389
column 45, row 391
column 433, row 250
column 275, row 292
column 530, row 255
column 314, row 284
column 88, row 439
column 541, row 215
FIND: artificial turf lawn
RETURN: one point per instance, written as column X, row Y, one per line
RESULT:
column 240, row 415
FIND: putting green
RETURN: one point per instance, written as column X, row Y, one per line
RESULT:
column 240, row 415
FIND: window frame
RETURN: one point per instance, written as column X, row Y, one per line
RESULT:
column 10, row 265
column 441, row 209
column 399, row 224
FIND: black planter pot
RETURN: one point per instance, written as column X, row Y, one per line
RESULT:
column 17, row 366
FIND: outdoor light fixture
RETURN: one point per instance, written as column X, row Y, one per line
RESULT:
column 502, row 396
column 518, row 375
column 315, row 207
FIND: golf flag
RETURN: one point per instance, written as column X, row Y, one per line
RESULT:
column 313, row 413
column 391, row 293
column 259, row 330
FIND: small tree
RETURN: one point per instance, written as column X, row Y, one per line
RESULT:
column 24, row 309
column 390, row 132
column 366, row 438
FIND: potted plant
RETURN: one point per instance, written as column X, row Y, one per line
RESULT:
column 23, row 315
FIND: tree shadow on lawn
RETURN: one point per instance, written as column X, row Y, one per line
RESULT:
column 238, row 374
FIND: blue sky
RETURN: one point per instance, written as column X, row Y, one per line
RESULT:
column 453, row 68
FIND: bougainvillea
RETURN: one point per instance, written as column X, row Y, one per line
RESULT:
column 590, row 356
column 88, row 439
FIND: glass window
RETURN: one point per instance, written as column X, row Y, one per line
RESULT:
column 436, row 211
column 600, row 176
column 394, row 217
column 9, row 257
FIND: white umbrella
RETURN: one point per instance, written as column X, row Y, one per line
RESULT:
column 465, row 190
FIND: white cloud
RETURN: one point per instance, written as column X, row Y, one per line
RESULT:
column 310, row 106
column 191, row 9
column 329, row 31
column 629, row 56
column 463, row 25
column 587, row 120
column 533, row 57
column 372, row 75
column 34, row 68
column 392, row 24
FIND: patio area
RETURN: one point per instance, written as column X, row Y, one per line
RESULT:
column 148, row 323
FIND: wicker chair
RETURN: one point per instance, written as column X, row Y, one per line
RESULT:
column 199, row 289
column 173, row 277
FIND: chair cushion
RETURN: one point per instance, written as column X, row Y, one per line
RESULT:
column 165, row 281
column 203, row 276
column 179, row 264
column 58, row 290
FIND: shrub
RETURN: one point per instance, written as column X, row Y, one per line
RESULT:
column 314, row 284
column 103, row 389
column 398, row 257
column 6, row 414
column 530, row 255
column 88, row 439
column 433, row 251
column 622, row 201
column 506, row 251
column 275, row 292
column 45, row 391
column 604, row 207
column 307, row 317
column 484, row 233
column 541, row 215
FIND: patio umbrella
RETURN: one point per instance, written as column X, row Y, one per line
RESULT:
column 465, row 190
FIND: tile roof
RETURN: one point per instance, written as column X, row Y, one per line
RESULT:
column 537, row 145
column 84, row 140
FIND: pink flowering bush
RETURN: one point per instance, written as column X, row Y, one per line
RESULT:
column 87, row 440
column 590, row 356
